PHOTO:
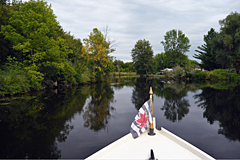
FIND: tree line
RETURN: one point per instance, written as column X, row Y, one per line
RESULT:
column 220, row 50
column 36, row 52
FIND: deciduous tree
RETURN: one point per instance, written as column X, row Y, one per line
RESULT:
column 159, row 61
column 176, row 44
column 142, row 56
column 230, row 34
column 96, row 50
column 33, row 30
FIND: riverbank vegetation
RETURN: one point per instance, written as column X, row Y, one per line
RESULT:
column 179, row 73
column 36, row 52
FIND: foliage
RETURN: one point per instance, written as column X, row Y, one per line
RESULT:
column 118, row 65
column 96, row 50
column 190, row 74
column 13, row 79
column 230, row 34
column 173, row 58
column 222, row 50
column 159, row 61
column 176, row 41
column 129, row 67
column 177, row 73
column 201, row 75
column 207, row 54
column 34, row 31
column 5, row 45
column 176, row 44
column 142, row 56
column 31, row 34
column 217, row 74
column 35, row 78
column 222, row 74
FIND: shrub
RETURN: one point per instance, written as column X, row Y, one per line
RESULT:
column 13, row 81
column 223, row 74
column 85, row 76
column 190, row 72
column 178, row 73
column 217, row 74
column 200, row 75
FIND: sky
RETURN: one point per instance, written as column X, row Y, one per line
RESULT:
column 131, row 20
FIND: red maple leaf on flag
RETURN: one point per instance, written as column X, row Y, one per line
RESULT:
column 143, row 119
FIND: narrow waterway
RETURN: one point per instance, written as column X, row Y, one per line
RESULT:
column 73, row 123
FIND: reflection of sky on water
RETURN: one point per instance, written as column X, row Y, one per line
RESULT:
column 82, row 142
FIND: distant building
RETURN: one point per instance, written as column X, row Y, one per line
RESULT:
column 167, row 69
column 164, row 70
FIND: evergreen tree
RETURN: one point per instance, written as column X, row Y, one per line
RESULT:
column 207, row 54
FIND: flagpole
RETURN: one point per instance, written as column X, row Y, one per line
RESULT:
column 151, row 131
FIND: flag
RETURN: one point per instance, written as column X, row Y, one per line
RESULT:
column 142, row 120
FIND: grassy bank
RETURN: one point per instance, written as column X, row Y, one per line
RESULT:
column 124, row 74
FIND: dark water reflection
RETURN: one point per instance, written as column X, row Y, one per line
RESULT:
column 75, row 122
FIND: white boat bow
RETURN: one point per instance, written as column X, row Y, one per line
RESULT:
column 165, row 145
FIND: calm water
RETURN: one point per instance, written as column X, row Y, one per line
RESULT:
column 76, row 122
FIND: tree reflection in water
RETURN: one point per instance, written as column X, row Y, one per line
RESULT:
column 223, row 106
column 30, row 124
column 140, row 92
column 175, row 105
column 97, row 112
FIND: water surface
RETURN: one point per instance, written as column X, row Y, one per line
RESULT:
column 73, row 123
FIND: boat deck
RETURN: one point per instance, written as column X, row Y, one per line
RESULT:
column 164, row 144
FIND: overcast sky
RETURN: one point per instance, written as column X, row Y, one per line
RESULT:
column 132, row 20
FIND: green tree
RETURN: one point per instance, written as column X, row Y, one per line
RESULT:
column 159, row 61
column 129, row 66
column 33, row 30
column 96, row 50
column 5, row 44
column 118, row 64
column 207, row 54
column 142, row 56
column 230, row 35
column 176, row 44
column 173, row 58
column 79, row 63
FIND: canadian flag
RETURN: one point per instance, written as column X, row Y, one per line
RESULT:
column 142, row 120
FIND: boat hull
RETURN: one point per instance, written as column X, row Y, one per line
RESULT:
column 164, row 144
